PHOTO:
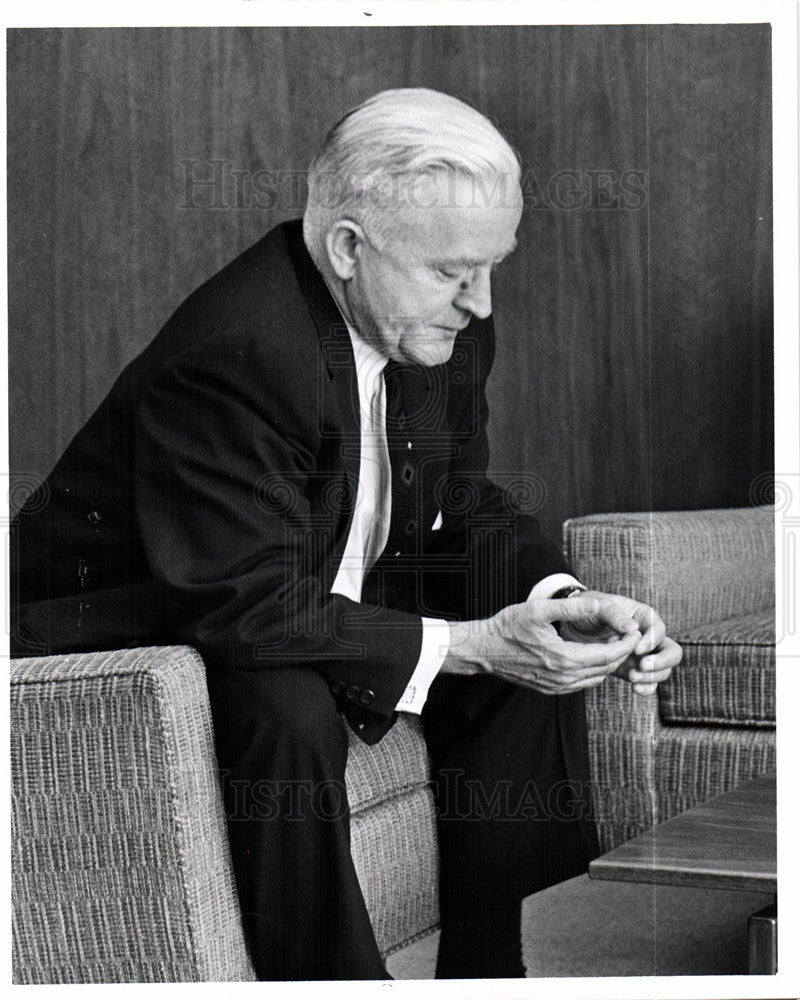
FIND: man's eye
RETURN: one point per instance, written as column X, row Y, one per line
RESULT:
column 446, row 274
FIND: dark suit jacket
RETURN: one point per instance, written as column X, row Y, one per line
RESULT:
column 209, row 498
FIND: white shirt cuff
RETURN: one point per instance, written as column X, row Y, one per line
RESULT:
column 550, row 584
column 435, row 646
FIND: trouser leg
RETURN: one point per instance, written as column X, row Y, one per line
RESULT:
column 282, row 752
column 509, row 820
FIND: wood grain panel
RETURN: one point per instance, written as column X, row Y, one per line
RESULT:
column 612, row 397
column 710, row 250
column 571, row 309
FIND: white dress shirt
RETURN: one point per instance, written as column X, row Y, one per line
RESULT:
column 369, row 529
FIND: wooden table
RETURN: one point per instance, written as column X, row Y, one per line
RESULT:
column 726, row 843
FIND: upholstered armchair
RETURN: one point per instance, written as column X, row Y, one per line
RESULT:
column 710, row 575
column 120, row 863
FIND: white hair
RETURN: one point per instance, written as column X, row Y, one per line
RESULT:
column 374, row 155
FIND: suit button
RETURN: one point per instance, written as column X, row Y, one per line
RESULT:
column 352, row 692
column 367, row 697
column 337, row 687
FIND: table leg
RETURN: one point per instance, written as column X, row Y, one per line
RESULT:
column 762, row 937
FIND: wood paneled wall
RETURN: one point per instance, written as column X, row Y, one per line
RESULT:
column 634, row 321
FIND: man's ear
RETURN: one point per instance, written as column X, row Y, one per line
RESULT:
column 343, row 243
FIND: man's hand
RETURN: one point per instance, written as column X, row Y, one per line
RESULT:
column 520, row 644
column 654, row 654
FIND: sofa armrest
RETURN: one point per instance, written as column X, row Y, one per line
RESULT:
column 121, row 869
column 693, row 567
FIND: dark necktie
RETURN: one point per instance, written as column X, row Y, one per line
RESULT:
column 388, row 577
column 403, row 527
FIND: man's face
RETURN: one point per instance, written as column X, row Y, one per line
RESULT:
column 412, row 296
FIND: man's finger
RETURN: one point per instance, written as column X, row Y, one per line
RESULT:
column 668, row 655
column 654, row 664
column 652, row 636
column 649, row 676
column 651, row 639
column 570, row 609
column 606, row 654
column 655, row 668
column 619, row 620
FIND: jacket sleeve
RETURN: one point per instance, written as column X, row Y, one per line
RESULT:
column 242, row 565
column 497, row 548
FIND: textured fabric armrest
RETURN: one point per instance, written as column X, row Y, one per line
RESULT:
column 693, row 567
column 121, row 867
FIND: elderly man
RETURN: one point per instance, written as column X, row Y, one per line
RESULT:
column 292, row 478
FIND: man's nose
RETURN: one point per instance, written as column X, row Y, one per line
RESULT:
column 475, row 293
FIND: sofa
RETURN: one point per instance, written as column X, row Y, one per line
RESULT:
column 711, row 726
column 120, row 863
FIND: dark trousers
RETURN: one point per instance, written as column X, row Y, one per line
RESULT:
column 510, row 819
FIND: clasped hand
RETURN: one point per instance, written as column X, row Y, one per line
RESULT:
column 654, row 654
column 560, row 646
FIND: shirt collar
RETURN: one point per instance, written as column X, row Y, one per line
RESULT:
column 369, row 361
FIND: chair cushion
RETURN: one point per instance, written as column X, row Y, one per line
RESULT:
column 396, row 857
column 393, row 831
column 727, row 675
column 396, row 764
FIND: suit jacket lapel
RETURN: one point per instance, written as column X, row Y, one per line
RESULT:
column 337, row 376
